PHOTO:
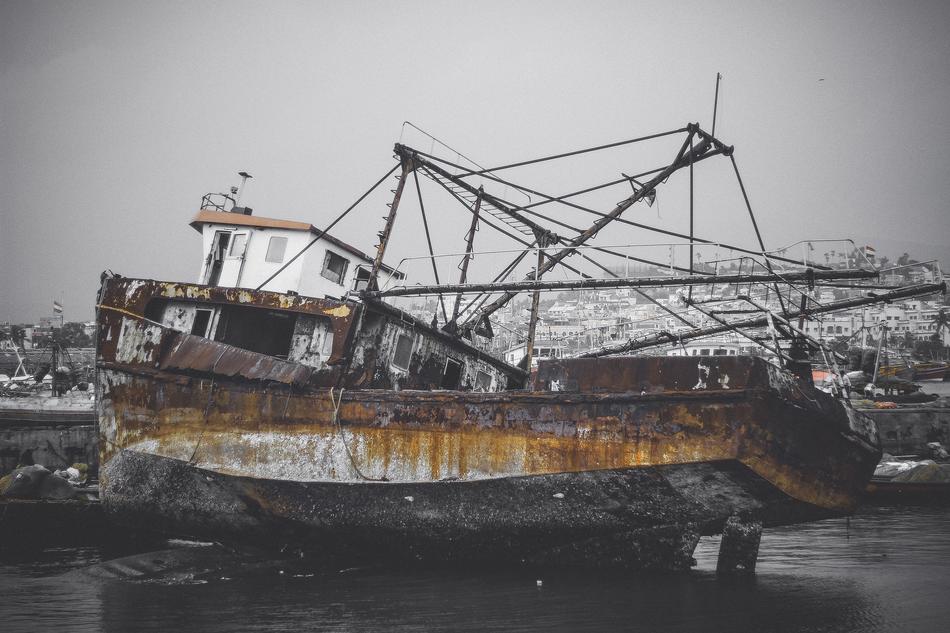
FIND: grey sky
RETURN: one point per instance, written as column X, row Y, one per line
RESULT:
column 116, row 117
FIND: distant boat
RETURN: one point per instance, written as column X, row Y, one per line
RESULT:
column 930, row 371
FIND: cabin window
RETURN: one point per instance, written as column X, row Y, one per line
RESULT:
column 200, row 325
column 362, row 278
column 334, row 267
column 238, row 244
column 704, row 352
column 452, row 374
column 256, row 329
column 482, row 381
column 155, row 310
column 719, row 352
column 275, row 250
column 403, row 352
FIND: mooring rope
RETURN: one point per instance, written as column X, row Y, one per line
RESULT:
column 336, row 402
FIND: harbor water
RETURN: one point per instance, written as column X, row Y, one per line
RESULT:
column 884, row 569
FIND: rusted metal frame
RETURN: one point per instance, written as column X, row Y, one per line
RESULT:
column 620, row 208
column 805, row 296
column 384, row 235
column 607, row 251
column 533, row 322
column 801, row 309
column 666, row 309
column 403, row 150
column 831, row 284
column 326, row 230
column 735, row 311
column 581, row 151
column 716, row 103
column 798, row 330
column 475, row 398
column 504, row 232
column 564, row 240
column 579, row 192
column 375, row 305
column 470, row 307
column 563, row 197
column 654, row 340
column 514, row 208
column 425, row 224
column 724, row 149
column 706, row 136
column 775, row 350
column 646, row 227
column 469, row 244
column 618, row 282
column 130, row 297
column 690, row 214
column 755, row 226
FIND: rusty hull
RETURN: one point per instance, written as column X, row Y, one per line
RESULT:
column 427, row 436
column 604, row 461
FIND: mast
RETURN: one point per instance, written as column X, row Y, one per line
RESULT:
column 533, row 323
column 384, row 235
column 469, row 243
column 877, row 357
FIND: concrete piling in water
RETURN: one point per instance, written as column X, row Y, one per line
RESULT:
column 739, row 547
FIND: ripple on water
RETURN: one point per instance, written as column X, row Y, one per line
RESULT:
column 886, row 569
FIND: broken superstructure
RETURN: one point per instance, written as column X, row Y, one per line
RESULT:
column 284, row 402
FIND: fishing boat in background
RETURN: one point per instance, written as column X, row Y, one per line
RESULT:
column 930, row 371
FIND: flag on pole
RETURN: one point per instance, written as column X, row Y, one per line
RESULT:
column 57, row 307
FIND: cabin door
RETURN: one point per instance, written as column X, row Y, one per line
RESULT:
column 233, row 264
column 215, row 259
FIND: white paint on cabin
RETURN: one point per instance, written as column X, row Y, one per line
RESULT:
column 243, row 251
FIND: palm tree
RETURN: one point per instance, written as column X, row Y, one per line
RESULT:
column 942, row 322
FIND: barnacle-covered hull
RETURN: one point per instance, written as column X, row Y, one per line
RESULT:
column 648, row 517
column 623, row 461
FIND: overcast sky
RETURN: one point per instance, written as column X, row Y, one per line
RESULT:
column 115, row 118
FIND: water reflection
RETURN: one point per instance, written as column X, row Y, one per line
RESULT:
column 884, row 570
column 496, row 602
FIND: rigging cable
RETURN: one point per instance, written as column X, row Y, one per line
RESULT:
column 326, row 230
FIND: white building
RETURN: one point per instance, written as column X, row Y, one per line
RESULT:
column 243, row 251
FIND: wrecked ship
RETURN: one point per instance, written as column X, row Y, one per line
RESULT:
column 283, row 402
